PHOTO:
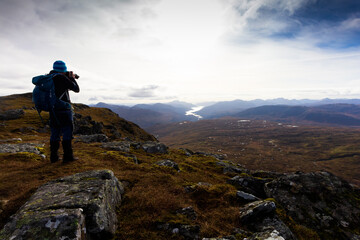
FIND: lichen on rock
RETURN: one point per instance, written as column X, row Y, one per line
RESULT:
column 81, row 206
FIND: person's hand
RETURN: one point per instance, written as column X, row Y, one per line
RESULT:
column 71, row 74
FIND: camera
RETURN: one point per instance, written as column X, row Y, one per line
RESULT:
column 68, row 74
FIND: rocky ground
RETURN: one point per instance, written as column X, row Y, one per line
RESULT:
column 272, row 203
column 162, row 193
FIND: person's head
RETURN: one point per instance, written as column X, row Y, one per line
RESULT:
column 59, row 66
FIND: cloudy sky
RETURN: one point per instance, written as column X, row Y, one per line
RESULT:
column 132, row 51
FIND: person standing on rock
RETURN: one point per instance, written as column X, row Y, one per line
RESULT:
column 61, row 120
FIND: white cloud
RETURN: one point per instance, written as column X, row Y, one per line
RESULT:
column 144, row 92
column 151, row 50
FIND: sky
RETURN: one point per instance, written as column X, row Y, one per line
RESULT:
column 147, row 51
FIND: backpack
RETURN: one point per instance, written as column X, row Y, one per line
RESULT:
column 44, row 96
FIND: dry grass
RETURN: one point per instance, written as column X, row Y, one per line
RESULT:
column 153, row 194
column 269, row 146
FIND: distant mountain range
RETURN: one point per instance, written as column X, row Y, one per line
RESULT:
column 228, row 108
column 146, row 115
column 326, row 111
column 330, row 114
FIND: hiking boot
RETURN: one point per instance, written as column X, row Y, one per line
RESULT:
column 68, row 152
column 54, row 147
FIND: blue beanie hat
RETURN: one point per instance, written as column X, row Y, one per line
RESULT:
column 59, row 66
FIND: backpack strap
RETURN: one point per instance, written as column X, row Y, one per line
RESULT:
column 42, row 120
column 62, row 95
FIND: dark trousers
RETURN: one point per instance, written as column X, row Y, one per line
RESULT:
column 61, row 124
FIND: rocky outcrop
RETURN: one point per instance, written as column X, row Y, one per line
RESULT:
column 148, row 147
column 249, row 184
column 92, row 138
column 320, row 201
column 260, row 217
column 154, row 147
column 81, row 206
column 246, row 197
column 188, row 212
column 229, row 167
column 256, row 210
column 86, row 126
column 117, row 146
column 188, row 232
column 168, row 163
column 20, row 147
column 12, row 114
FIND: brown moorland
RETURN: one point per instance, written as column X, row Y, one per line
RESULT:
column 272, row 146
column 153, row 194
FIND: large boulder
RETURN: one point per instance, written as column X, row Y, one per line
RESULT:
column 117, row 146
column 255, row 211
column 250, row 184
column 20, row 147
column 168, row 163
column 92, row 138
column 81, row 206
column 154, row 147
column 87, row 126
column 261, row 218
column 320, row 201
column 246, row 197
column 11, row 114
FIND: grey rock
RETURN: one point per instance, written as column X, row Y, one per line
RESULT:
column 256, row 211
column 250, row 184
column 154, row 147
column 231, row 168
column 117, row 146
column 188, row 232
column 189, row 212
column 267, row 235
column 11, row 114
column 271, row 224
column 205, row 184
column 246, row 197
column 320, row 201
column 51, row 224
column 92, row 138
column 20, row 147
column 192, row 188
column 187, row 152
column 135, row 145
column 58, row 208
column 133, row 157
column 86, row 126
column 168, row 163
column 355, row 237
column 217, row 156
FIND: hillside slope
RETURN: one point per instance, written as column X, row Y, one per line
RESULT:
column 174, row 193
column 88, row 120
column 268, row 145
column 147, row 115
